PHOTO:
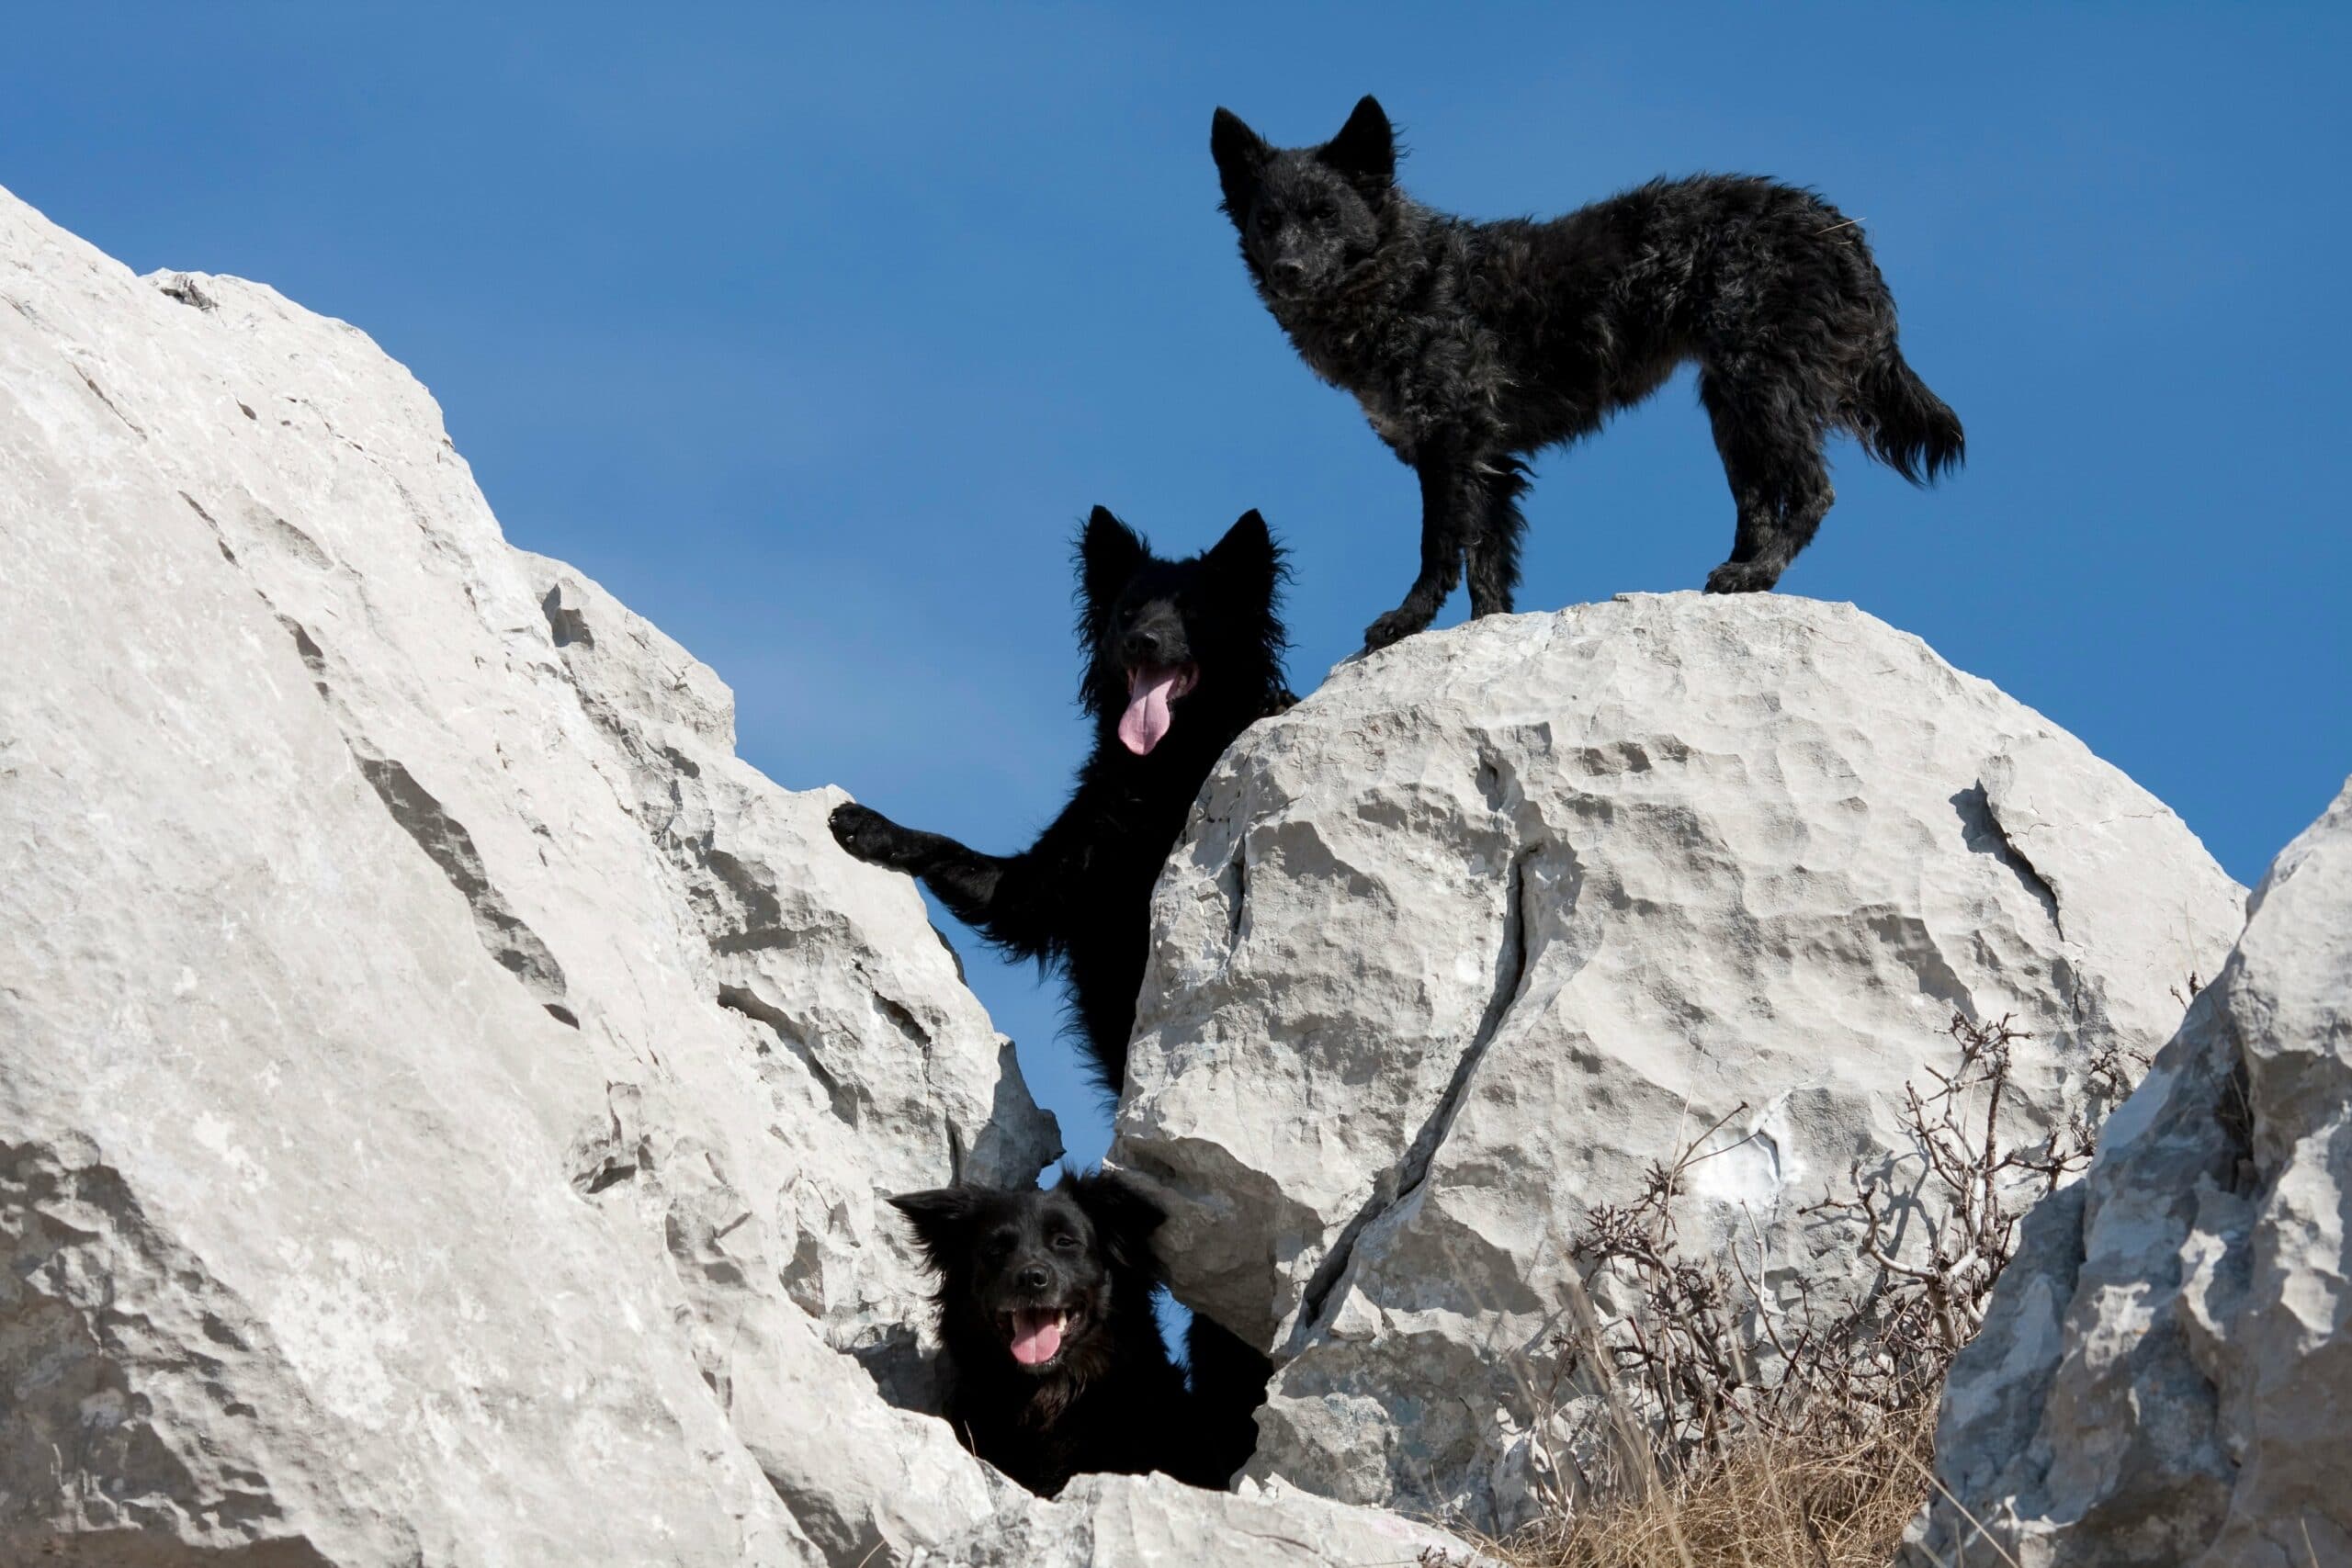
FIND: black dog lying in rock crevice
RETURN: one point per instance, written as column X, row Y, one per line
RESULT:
column 1053, row 1364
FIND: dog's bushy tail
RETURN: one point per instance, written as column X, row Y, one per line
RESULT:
column 1904, row 426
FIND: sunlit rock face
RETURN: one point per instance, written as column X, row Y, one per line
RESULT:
column 2166, row 1375
column 1501, row 916
column 447, row 1097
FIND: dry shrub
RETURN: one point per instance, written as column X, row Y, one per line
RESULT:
column 1734, row 1432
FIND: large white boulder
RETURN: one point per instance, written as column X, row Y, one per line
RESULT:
column 445, row 1095
column 2164, row 1376
column 1496, row 917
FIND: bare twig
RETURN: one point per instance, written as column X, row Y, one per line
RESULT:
column 1795, row 1432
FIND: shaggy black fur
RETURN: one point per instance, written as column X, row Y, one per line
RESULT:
column 1473, row 345
column 1107, row 1398
column 1081, row 896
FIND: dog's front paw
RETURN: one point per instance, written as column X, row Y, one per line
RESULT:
column 864, row 833
column 1394, row 626
column 1743, row 576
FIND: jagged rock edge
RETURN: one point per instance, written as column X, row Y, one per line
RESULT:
column 420, row 815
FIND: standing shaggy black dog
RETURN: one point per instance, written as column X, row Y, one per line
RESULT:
column 1054, row 1364
column 1473, row 345
column 1181, row 657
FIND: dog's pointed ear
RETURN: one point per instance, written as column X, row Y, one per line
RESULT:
column 1241, row 153
column 1124, row 1218
column 1109, row 554
column 1365, row 149
column 940, row 1216
column 1247, row 552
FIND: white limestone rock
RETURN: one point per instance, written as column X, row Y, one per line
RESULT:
column 883, row 1071
column 2164, row 1376
column 1124, row 1521
column 445, row 1095
column 1498, row 916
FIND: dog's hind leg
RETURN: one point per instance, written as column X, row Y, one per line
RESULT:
column 1451, row 499
column 1493, row 552
column 1771, row 448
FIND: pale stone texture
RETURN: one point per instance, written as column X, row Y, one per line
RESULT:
column 1117, row 1521
column 1498, row 916
column 445, row 1095
column 2165, row 1374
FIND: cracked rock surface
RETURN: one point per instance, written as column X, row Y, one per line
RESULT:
column 445, row 1094
column 2164, row 1375
column 1458, row 947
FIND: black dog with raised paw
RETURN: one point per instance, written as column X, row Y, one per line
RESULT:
column 1181, row 657
column 1473, row 345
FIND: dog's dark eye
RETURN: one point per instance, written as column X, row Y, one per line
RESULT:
column 1065, row 1243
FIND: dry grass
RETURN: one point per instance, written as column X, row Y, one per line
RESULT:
column 1767, row 1502
column 1691, row 1443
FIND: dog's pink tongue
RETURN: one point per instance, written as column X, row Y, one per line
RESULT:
column 1145, row 720
column 1037, row 1336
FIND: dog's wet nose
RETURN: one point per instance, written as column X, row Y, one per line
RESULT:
column 1143, row 647
column 1035, row 1277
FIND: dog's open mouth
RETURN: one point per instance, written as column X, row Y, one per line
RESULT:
column 1035, row 1335
column 1150, row 688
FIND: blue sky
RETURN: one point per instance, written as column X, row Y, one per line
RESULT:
column 813, row 333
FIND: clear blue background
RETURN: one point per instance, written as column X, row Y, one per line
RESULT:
column 813, row 334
